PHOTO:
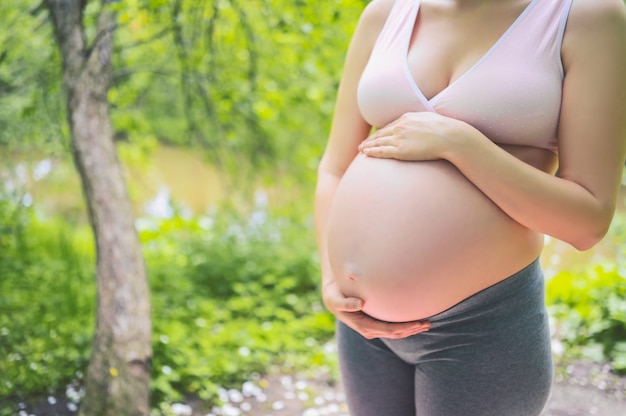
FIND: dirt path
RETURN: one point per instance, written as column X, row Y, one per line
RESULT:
column 581, row 389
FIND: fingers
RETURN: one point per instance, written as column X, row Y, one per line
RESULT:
column 336, row 302
column 410, row 330
column 349, row 311
column 403, row 330
column 382, row 146
column 376, row 141
column 350, row 305
column 372, row 328
column 383, row 152
column 385, row 143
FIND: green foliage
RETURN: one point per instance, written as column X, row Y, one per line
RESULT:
column 589, row 305
column 46, row 302
column 31, row 111
column 590, row 313
column 251, row 83
column 231, row 296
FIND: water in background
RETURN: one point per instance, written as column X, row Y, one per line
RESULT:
column 174, row 181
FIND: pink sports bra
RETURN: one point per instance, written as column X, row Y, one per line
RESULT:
column 512, row 94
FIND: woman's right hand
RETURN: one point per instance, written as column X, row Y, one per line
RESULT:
column 349, row 311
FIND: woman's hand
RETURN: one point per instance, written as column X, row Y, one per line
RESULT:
column 414, row 136
column 348, row 311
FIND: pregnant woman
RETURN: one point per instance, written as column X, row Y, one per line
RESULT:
column 438, row 184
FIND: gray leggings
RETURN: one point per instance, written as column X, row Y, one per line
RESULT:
column 489, row 355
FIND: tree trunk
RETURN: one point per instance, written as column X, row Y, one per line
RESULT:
column 118, row 376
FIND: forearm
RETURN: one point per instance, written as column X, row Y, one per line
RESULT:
column 552, row 205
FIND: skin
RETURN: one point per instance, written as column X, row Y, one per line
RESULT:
column 576, row 207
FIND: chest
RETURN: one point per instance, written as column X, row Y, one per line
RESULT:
column 445, row 42
column 505, row 79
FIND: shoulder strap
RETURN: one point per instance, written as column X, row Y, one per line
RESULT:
column 545, row 23
column 400, row 15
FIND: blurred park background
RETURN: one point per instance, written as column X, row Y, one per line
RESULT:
column 220, row 111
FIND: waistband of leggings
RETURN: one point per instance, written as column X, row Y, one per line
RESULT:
column 514, row 285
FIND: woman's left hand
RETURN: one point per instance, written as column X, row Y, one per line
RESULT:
column 415, row 136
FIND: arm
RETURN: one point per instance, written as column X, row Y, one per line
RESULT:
column 347, row 131
column 578, row 205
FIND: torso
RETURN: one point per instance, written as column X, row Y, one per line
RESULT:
column 414, row 238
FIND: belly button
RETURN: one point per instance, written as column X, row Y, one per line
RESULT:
column 352, row 277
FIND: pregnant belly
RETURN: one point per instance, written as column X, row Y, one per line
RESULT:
column 413, row 238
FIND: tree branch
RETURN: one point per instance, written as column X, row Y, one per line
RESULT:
column 66, row 18
column 35, row 11
column 156, row 36
column 102, row 46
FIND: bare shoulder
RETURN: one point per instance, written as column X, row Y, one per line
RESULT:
column 595, row 28
column 374, row 17
column 590, row 18
column 348, row 127
column 591, row 10
column 376, row 12
column 370, row 24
